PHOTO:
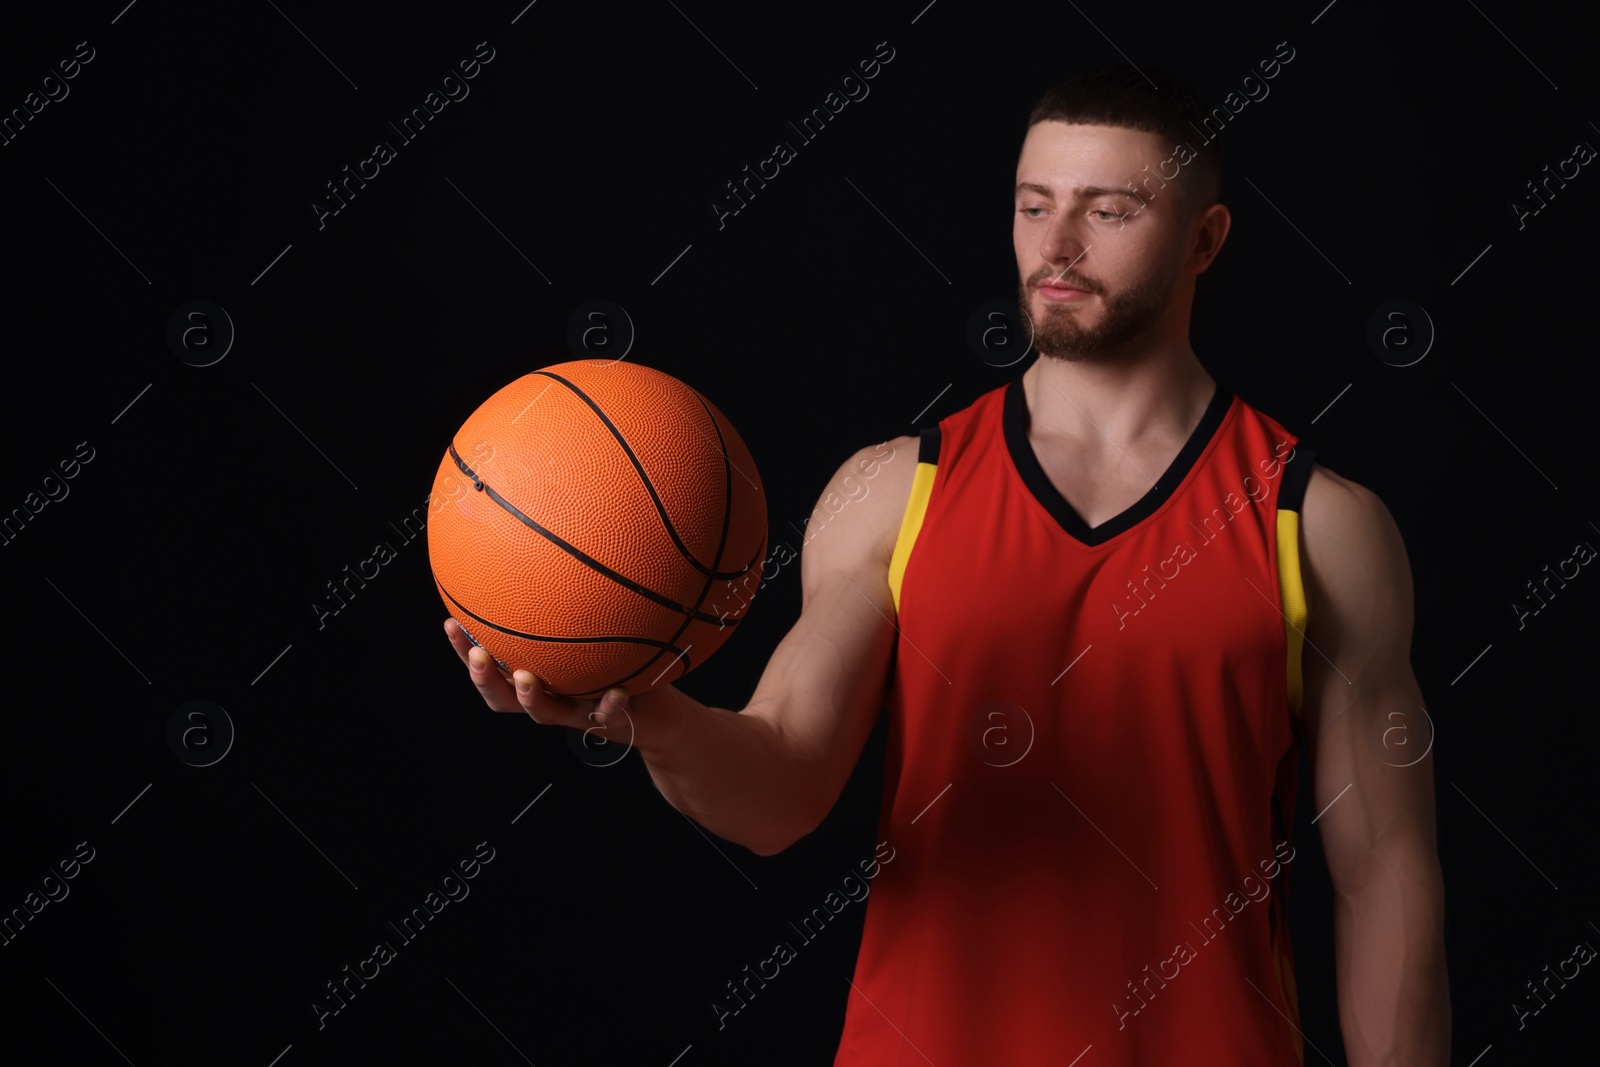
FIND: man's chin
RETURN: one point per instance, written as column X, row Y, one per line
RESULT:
column 1076, row 349
column 1070, row 352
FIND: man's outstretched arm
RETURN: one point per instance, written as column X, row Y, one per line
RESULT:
column 766, row 776
column 1370, row 743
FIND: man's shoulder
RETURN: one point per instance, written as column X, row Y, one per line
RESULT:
column 1342, row 507
column 860, row 509
column 1353, row 546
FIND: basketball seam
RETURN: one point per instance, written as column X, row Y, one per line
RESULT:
column 621, row 638
column 644, row 479
column 722, row 545
column 573, row 550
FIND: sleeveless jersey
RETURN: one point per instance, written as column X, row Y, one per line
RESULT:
column 1091, row 760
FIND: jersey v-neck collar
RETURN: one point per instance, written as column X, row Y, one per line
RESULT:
column 1014, row 419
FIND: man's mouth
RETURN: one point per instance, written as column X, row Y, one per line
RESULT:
column 1061, row 291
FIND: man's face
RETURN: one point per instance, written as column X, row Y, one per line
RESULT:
column 1096, row 266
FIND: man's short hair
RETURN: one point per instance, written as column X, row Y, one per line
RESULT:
column 1122, row 95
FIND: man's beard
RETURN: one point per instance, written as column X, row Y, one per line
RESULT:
column 1059, row 334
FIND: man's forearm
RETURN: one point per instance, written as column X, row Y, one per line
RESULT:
column 1394, row 996
column 728, row 771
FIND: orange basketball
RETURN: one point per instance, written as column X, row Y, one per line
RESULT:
column 597, row 523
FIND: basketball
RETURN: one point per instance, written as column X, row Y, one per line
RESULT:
column 598, row 523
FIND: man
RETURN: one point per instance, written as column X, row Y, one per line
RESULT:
column 1105, row 604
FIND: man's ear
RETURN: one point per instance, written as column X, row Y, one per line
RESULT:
column 1209, row 229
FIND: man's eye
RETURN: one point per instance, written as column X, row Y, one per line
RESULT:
column 1113, row 214
column 1026, row 210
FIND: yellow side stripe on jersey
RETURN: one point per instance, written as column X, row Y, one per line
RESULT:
column 910, row 525
column 1294, row 599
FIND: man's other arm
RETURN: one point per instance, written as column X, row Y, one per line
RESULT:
column 1370, row 748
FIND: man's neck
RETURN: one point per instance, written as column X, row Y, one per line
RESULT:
column 1159, row 397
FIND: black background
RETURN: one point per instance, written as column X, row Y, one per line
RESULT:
column 823, row 317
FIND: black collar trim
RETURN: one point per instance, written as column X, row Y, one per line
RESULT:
column 1015, row 422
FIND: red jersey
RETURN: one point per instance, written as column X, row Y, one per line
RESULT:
column 1091, row 760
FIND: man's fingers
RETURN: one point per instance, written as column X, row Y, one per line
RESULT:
column 458, row 640
column 497, row 692
column 515, row 692
column 545, row 707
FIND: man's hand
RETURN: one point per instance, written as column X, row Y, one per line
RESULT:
column 522, row 692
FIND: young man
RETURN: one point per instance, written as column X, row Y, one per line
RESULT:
column 1105, row 604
